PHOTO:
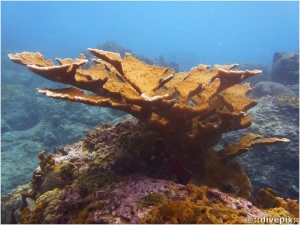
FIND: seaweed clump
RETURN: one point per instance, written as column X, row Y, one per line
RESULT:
column 153, row 199
column 44, row 209
column 266, row 199
column 51, row 175
column 210, row 206
column 94, row 178
column 274, row 206
column 287, row 101
column 197, row 208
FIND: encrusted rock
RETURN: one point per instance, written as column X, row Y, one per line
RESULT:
column 285, row 69
column 271, row 88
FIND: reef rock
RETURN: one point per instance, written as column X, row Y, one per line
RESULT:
column 285, row 69
column 122, row 174
column 138, row 199
column 270, row 88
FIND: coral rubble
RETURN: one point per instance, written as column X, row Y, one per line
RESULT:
column 189, row 111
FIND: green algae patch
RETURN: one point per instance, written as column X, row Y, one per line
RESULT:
column 94, row 178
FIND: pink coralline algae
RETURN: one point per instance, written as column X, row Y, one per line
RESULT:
column 120, row 202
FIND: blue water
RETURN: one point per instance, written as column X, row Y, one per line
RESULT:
column 187, row 32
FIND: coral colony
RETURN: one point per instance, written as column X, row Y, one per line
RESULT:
column 186, row 112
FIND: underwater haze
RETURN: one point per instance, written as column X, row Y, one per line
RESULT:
column 132, row 142
column 186, row 32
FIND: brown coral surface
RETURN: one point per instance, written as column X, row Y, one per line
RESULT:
column 189, row 110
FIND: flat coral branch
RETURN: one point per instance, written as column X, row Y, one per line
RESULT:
column 234, row 98
column 150, row 88
column 76, row 95
column 29, row 58
column 244, row 144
